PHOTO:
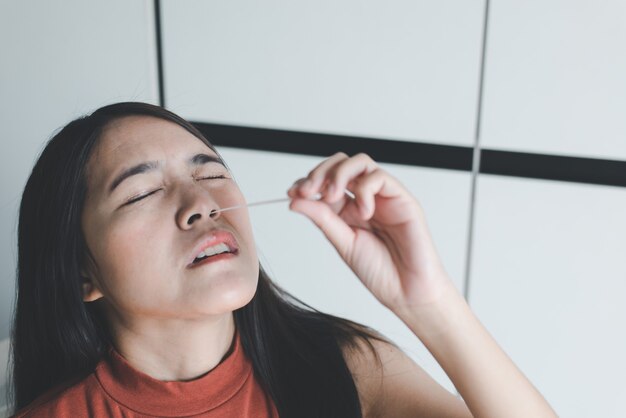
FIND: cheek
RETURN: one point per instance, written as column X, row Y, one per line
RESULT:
column 241, row 219
column 228, row 195
column 128, row 258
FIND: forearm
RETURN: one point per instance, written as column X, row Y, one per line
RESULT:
column 489, row 382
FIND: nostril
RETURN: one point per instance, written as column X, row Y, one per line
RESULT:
column 213, row 213
column 193, row 218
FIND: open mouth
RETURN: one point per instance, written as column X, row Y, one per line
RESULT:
column 218, row 244
column 214, row 252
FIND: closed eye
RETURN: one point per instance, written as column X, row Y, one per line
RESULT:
column 138, row 198
column 135, row 199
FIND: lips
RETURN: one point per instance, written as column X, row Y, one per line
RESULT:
column 211, row 239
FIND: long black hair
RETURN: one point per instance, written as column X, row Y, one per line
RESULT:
column 296, row 350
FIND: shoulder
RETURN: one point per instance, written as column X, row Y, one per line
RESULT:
column 390, row 383
column 62, row 399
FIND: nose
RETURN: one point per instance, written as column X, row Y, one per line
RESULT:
column 197, row 207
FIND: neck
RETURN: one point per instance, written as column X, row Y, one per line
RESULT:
column 176, row 349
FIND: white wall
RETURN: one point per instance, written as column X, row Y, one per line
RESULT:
column 546, row 277
column 555, row 78
column 4, row 369
column 548, row 282
column 406, row 70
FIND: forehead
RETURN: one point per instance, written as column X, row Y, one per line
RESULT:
column 145, row 134
column 136, row 139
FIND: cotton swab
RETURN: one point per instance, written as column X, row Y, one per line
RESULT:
column 317, row 196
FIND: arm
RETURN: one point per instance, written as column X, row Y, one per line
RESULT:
column 383, row 237
column 486, row 378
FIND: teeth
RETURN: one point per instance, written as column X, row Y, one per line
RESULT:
column 216, row 249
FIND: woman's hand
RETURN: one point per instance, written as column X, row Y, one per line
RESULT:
column 383, row 237
column 381, row 233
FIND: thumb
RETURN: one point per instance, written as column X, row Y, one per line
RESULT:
column 340, row 234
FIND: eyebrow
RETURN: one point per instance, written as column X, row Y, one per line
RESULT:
column 198, row 159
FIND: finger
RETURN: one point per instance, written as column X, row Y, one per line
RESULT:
column 293, row 190
column 346, row 172
column 343, row 208
column 340, row 235
column 374, row 188
column 366, row 188
column 315, row 179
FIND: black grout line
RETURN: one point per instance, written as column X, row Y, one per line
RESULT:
column 476, row 160
column 554, row 167
column 308, row 143
column 159, row 51
column 421, row 154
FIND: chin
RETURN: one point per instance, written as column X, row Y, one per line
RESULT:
column 239, row 297
column 226, row 295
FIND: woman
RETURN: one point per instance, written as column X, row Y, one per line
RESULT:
column 137, row 297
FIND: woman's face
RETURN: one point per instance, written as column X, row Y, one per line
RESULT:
column 143, row 249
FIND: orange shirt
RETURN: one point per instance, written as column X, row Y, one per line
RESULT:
column 116, row 389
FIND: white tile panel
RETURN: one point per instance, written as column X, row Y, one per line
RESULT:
column 5, row 346
column 548, row 281
column 298, row 257
column 398, row 70
column 555, row 78
column 60, row 60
